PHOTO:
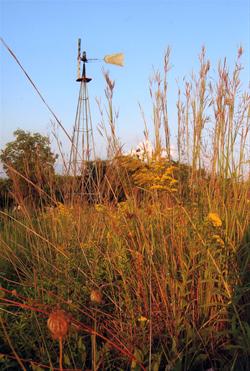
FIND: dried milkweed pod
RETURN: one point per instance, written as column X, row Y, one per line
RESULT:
column 58, row 324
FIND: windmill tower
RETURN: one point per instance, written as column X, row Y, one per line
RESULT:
column 82, row 146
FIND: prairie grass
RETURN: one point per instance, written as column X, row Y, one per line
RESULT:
column 153, row 273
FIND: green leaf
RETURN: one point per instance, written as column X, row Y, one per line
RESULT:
column 138, row 354
column 82, row 349
column 36, row 368
column 2, row 358
column 156, row 361
column 201, row 357
column 66, row 360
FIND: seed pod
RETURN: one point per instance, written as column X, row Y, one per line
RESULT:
column 58, row 324
column 96, row 296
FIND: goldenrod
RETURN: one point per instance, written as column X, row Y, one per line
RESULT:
column 218, row 239
column 214, row 219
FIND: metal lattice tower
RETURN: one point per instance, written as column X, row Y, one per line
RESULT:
column 82, row 147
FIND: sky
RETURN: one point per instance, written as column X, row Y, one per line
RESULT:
column 44, row 34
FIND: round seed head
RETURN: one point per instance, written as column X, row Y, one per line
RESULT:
column 96, row 296
column 58, row 324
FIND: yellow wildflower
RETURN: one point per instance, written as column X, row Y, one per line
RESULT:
column 173, row 189
column 170, row 169
column 157, row 187
column 214, row 219
column 83, row 245
column 99, row 208
column 173, row 181
column 123, row 206
column 62, row 210
column 218, row 239
column 62, row 247
column 166, row 177
column 109, row 236
column 142, row 319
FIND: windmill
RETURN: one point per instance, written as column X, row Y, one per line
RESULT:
column 82, row 147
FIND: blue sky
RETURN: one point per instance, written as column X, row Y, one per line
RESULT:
column 43, row 35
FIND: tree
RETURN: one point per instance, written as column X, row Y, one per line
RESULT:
column 29, row 163
column 6, row 200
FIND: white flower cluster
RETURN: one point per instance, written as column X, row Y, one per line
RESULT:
column 144, row 151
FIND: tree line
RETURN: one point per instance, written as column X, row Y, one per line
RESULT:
column 29, row 164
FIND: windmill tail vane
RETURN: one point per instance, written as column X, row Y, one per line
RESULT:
column 117, row 59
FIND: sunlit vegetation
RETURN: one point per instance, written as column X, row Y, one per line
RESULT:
column 143, row 264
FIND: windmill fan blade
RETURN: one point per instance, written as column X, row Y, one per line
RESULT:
column 117, row 59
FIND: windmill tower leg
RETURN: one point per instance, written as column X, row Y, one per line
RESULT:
column 82, row 147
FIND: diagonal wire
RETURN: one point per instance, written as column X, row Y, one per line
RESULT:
column 36, row 89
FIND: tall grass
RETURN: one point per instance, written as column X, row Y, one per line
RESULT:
column 153, row 273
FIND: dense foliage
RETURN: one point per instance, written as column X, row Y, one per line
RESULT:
column 29, row 163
